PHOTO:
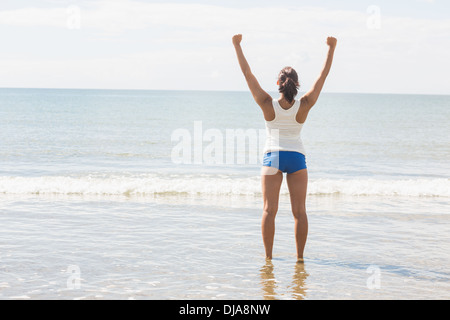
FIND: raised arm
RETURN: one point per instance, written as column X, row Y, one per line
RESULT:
column 310, row 98
column 262, row 98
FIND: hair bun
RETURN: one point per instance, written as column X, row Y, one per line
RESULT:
column 288, row 80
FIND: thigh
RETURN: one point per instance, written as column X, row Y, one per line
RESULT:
column 271, row 185
column 298, row 186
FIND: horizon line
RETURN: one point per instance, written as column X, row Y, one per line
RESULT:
column 211, row 90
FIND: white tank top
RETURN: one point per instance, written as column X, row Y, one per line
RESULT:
column 284, row 132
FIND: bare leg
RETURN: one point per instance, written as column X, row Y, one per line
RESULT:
column 298, row 184
column 271, row 184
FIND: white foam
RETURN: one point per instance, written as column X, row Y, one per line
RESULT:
column 362, row 187
column 153, row 184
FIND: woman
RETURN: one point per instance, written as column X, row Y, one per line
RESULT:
column 284, row 152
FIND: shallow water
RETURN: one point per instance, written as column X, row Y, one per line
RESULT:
column 126, row 248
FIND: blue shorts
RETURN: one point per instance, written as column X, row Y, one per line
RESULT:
column 285, row 161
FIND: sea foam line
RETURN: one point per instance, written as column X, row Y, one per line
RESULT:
column 153, row 184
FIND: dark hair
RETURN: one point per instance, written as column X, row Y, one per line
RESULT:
column 288, row 82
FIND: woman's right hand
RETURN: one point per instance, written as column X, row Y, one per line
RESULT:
column 237, row 39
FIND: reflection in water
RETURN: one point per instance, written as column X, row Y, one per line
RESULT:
column 299, row 281
column 269, row 283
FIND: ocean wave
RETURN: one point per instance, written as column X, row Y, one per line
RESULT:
column 154, row 184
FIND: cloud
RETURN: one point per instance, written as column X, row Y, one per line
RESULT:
column 34, row 17
column 184, row 37
column 201, row 23
column 205, row 22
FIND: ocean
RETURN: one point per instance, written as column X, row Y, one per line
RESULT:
column 129, row 194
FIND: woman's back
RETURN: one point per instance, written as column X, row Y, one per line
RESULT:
column 284, row 132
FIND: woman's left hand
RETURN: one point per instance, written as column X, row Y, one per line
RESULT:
column 237, row 39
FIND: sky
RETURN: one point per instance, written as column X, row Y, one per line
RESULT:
column 396, row 46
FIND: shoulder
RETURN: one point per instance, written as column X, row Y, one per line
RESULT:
column 306, row 102
column 268, row 108
column 303, row 111
column 267, row 103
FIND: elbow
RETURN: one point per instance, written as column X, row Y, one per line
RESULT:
column 247, row 71
column 324, row 74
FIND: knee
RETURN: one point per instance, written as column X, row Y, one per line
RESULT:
column 299, row 213
column 270, row 211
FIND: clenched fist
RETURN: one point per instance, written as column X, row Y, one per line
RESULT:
column 237, row 39
column 332, row 42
